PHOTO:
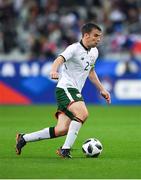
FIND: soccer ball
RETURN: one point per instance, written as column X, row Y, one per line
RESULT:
column 92, row 147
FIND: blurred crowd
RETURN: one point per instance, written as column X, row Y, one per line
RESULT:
column 43, row 28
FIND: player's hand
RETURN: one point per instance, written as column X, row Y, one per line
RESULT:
column 106, row 95
column 54, row 75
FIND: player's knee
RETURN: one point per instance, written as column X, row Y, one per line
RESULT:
column 85, row 115
column 79, row 111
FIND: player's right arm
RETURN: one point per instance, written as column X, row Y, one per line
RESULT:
column 64, row 56
column 55, row 66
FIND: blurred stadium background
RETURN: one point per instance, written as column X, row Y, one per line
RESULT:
column 33, row 33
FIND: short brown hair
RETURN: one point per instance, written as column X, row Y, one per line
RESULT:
column 88, row 27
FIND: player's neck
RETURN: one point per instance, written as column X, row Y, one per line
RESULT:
column 84, row 44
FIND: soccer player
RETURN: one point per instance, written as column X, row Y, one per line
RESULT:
column 78, row 62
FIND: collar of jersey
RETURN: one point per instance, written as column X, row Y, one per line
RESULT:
column 87, row 49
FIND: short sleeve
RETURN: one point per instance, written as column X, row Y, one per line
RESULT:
column 95, row 56
column 68, row 52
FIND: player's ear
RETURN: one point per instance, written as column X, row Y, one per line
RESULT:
column 86, row 35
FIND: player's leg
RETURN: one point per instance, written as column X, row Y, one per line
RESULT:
column 60, row 130
column 70, row 101
column 79, row 110
column 62, row 126
column 48, row 133
column 80, row 113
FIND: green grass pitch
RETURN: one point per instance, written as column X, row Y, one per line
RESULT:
column 117, row 127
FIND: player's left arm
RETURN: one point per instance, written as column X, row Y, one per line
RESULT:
column 95, row 80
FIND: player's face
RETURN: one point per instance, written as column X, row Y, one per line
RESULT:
column 94, row 37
